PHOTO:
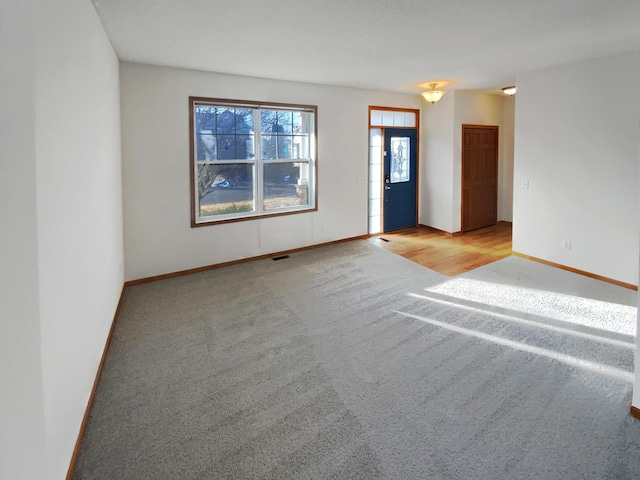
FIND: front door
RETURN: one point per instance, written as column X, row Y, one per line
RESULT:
column 399, row 190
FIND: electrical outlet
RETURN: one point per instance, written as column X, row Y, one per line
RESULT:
column 525, row 184
column 566, row 244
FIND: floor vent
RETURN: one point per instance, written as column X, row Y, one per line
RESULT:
column 384, row 239
column 282, row 257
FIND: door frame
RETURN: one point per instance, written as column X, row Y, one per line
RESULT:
column 462, row 172
column 382, row 126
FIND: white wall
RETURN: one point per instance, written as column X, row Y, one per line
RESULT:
column 79, row 191
column 441, row 187
column 505, row 175
column 435, row 205
column 62, row 246
column 577, row 146
column 22, row 433
column 155, row 146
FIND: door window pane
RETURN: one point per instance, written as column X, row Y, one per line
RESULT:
column 399, row 164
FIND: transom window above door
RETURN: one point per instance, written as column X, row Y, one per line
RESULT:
column 392, row 118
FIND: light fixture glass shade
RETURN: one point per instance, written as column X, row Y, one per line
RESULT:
column 432, row 96
column 509, row 90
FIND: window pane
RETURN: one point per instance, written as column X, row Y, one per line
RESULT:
column 375, row 173
column 244, row 147
column 270, row 122
column 297, row 122
column 206, row 146
column 398, row 119
column 409, row 119
column 226, row 147
column 376, row 117
column 284, row 146
column 223, row 133
column 277, row 122
column 285, row 184
column 374, row 209
column 269, row 147
column 404, row 119
column 376, row 190
column 303, row 123
column 277, row 146
column 225, row 120
column 387, row 118
column 300, row 147
column 375, row 224
column 244, row 121
column 277, row 127
column 205, row 118
column 375, row 137
column 400, row 153
column 205, row 128
column 224, row 189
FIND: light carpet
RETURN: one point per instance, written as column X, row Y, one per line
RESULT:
column 350, row 362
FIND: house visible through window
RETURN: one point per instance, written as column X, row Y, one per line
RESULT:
column 251, row 159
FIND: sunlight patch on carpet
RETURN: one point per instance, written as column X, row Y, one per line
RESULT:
column 589, row 312
column 591, row 366
column 629, row 345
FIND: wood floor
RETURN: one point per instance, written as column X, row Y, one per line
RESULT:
column 446, row 254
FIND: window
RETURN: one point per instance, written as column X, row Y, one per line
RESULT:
column 251, row 159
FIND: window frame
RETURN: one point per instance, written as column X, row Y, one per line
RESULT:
column 258, row 162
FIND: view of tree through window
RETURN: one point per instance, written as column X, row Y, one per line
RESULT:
column 251, row 159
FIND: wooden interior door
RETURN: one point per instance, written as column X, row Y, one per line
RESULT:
column 479, row 176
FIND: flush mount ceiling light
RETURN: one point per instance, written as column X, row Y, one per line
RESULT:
column 509, row 90
column 433, row 95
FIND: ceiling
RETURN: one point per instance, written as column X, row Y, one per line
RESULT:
column 387, row 45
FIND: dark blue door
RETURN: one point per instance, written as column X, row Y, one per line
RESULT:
column 399, row 178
